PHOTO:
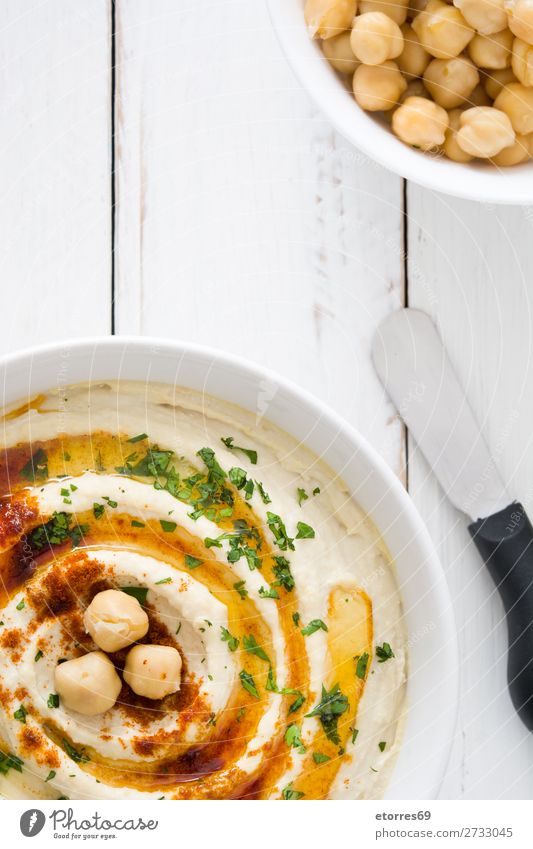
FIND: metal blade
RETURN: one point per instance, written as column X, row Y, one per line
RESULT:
column 413, row 366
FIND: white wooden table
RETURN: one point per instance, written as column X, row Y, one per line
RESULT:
column 236, row 216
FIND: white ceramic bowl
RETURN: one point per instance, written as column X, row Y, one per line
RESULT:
column 476, row 181
column 433, row 660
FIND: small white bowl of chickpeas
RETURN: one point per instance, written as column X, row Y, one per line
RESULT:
column 438, row 92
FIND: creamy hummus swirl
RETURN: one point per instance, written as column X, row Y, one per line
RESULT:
column 249, row 557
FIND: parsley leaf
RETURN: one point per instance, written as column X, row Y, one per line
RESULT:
column 98, row 510
column 332, row 705
column 38, row 656
column 168, row 527
column 361, row 665
column 382, row 745
column 265, row 497
column 138, row 438
column 20, row 714
column 36, row 469
column 302, row 496
column 270, row 593
column 136, row 524
column 279, row 531
column 77, row 755
column 53, row 700
column 304, row 531
column 251, row 646
column 293, row 738
column 227, row 637
column 248, row 683
column 314, row 625
column 290, row 793
column 250, row 453
column 319, row 758
column 240, row 587
column 8, row 762
column 139, row 593
column 192, row 562
column 384, row 653
column 282, row 571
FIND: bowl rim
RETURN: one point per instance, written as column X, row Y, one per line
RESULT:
column 470, row 181
column 336, row 424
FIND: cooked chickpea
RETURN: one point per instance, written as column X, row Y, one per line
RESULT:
column 484, row 131
column 376, row 38
column 420, row 122
column 486, row 16
column 514, row 154
column 413, row 60
column 115, row 620
column 327, row 18
column 442, row 30
column 451, row 81
column 378, row 87
column 494, row 81
column 339, row 53
column 153, row 671
column 492, row 51
column 520, row 17
column 394, row 9
column 87, row 684
column 450, row 147
column 522, row 61
column 516, row 100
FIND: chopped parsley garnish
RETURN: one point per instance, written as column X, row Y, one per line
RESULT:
column 270, row 593
column 279, row 531
column 293, row 738
column 138, row 438
column 36, row 469
column 355, row 732
column 240, row 714
column 304, row 531
column 167, row 526
column 20, row 714
column 136, row 524
column 282, row 571
column 302, row 496
column 51, row 774
column 384, row 653
column 272, row 687
column 361, row 665
column 98, row 510
column 227, row 637
column 382, row 745
column 314, row 625
column 21, row 605
column 8, row 762
column 139, row 593
column 110, row 501
column 237, row 476
column 163, row 581
column 240, row 587
column 249, row 452
column 289, row 793
column 251, row 646
column 265, row 497
column 57, row 531
column 316, row 490
column 38, row 656
column 248, row 683
column 332, row 705
column 53, row 700
column 319, row 758
column 192, row 562
column 296, row 618
column 77, row 755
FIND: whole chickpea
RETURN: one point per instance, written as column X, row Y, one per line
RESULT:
column 451, row 81
column 520, row 14
column 328, row 18
column 153, row 671
column 115, row 620
column 484, row 131
column 376, row 38
column 378, row 87
column 339, row 53
column 492, row 51
column 420, row 122
column 514, row 154
column 442, row 30
column 516, row 100
column 486, row 16
column 450, row 147
column 522, row 61
column 394, row 9
column 88, row 684
column 494, row 81
column 413, row 60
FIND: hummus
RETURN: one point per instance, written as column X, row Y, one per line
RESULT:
column 249, row 557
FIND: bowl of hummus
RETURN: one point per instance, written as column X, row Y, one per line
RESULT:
column 212, row 588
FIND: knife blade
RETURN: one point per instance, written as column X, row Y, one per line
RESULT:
column 412, row 364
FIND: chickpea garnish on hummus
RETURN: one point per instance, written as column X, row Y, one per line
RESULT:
column 192, row 606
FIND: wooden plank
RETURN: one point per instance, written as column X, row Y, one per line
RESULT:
column 55, row 254
column 244, row 221
column 471, row 268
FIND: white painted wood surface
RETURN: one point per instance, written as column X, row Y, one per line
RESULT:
column 244, row 221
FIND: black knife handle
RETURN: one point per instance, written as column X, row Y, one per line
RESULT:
column 505, row 541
